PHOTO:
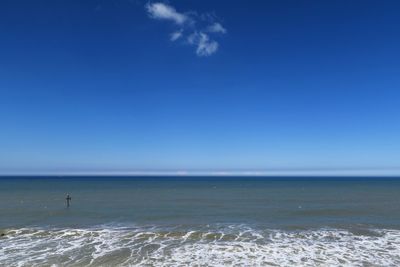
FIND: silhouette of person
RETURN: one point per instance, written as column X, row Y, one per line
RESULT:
column 68, row 199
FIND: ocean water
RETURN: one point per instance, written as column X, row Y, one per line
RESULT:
column 199, row 221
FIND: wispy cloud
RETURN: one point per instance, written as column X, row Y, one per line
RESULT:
column 175, row 35
column 216, row 28
column 192, row 29
column 204, row 46
column 165, row 12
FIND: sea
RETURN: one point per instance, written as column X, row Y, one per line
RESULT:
column 200, row 221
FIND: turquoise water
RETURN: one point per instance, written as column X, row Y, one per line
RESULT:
column 196, row 221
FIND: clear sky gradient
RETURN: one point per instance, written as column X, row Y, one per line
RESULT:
column 199, row 86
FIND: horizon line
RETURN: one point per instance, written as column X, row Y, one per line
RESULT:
column 275, row 173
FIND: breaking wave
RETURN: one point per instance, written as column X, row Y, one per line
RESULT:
column 234, row 245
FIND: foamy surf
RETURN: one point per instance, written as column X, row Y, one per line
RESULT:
column 235, row 245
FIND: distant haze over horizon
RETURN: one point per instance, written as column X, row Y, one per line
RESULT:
column 200, row 87
column 270, row 173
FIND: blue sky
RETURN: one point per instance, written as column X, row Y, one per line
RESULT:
column 124, row 86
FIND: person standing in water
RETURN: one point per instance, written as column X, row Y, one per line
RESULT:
column 68, row 199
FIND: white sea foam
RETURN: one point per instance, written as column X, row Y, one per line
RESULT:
column 212, row 246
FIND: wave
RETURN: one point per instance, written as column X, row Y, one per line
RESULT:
column 228, row 245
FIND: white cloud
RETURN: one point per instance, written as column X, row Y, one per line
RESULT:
column 204, row 45
column 165, row 12
column 217, row 28
column 175, row 35
column 193, row 29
